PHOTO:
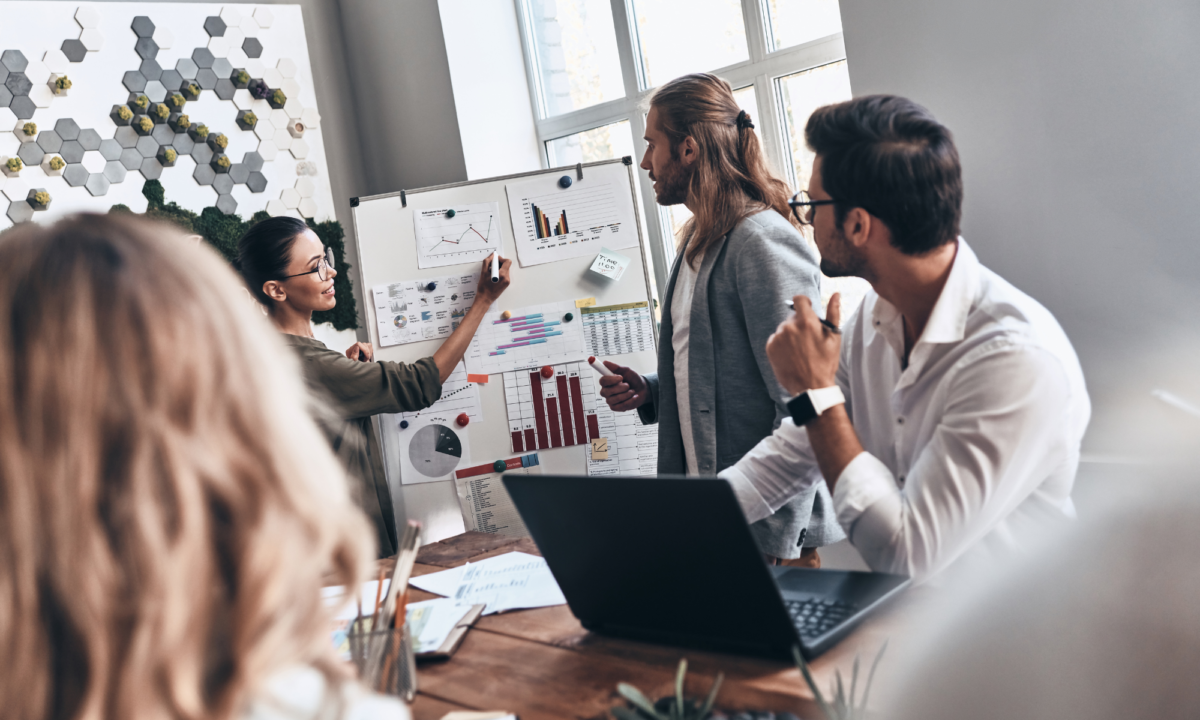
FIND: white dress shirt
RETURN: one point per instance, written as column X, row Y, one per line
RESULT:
column 972, row 444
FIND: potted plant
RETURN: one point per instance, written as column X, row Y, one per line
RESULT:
column 258, row 89
column 179, row 122
column 199, row 133
column 175, row 101
column 167, row 156
column 160, row 113
column 13, row 166
column 218, row 142
column 138, row 103
column 26, row 131
column 277, row 99
column 241, row 79
column 676, row 707
column 59, row 84
column 190, row 90
column 246, row 119
column 38, row 199
column 221, row 163
column 296, row 128
column 53, row 165
column 121, row 114
column 143, row 125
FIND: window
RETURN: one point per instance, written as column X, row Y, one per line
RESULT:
column 592, row 65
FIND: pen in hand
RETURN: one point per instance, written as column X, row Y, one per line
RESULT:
column 792, row 306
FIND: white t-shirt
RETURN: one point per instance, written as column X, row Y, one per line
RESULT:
column 301, row 692
column 681, row 322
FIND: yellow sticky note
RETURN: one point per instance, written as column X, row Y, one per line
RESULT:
column 585, row 302
column 600, row 449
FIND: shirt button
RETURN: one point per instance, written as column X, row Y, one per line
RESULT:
column 901, row 479
column 900, row 421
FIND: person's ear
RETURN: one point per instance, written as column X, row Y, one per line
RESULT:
column 274, row 290
column 689, row 150
column 857, row 226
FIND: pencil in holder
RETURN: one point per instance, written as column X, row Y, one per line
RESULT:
column 384, row 659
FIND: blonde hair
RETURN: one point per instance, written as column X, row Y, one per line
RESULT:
column 168, row 510
column 731, row 178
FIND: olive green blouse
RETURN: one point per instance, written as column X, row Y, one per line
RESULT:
column 354, row 391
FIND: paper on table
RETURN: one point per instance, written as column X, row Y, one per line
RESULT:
column 439, row 583
column 431, row 622
column 511, row 581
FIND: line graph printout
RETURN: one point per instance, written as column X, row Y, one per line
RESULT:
column 552, row 223
column 558, row 411
column 456, row 235
column 428, row 309
column 458, row 396
column 533, row 336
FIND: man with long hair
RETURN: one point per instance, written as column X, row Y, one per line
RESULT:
column 740, row 258
column 950, row 419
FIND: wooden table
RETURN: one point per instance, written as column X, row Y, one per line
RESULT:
column 541, row 663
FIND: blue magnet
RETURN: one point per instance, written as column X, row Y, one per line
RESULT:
column 568, row 317
column 450, row 213
column 499, row 466
column 403, row 424
column 431, row 286
column 565, row 181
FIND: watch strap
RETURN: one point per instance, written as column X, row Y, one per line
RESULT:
column 809, row 405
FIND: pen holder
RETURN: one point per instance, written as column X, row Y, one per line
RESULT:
column 384, row 659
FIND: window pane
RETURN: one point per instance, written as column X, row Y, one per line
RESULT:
column 576, row 50
column 802, row 93
column 602, row 143
column 747, row 100
column 686, row 36
column 799, row 21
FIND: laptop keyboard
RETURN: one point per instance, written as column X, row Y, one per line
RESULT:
column 814, row 618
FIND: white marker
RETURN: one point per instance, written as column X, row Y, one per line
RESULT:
column 496, row 266
column 599, row 366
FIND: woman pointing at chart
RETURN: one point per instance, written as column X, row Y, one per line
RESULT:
column 291, row 273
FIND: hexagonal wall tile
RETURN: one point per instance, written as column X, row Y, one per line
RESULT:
column 299, row 149
column 275, row 208
column 97, row 184
column 272, row 77
column 76, row 175
column 293, row 108
column 231, row 15
column 264, row 17
column 74, row 49
column 92, row 39
column 13, row 60
column 290, row 198
column 237, row 56
column 56, row 62
column 20, row 211
column 287, row 67
column 257, row 182
column 308, row 207
column 279, row 118
column 164, row 38
column 306, row 187
column 292, row 89
column 242, row 99
column 268, row 151
column 186, row 67
column 37, row 72
column 283, row 139
column 252, row 47
column 88, row 16
column 15, row 189
column 219, row 46
column 142, row 26
column 41, row 95
column 115, row 172
column 7, row 120
column 248, row 26
column 235, row 37
column 110, row 149
column 146, row 48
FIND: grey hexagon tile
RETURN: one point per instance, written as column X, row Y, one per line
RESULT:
column 22, row 107
column 204, row 174
column 143, row 27
column 239, row 174
column 20, row 211
column 163, row 135
column 214, row 26
column 92, row 39
column 147, row 146
column 13, row 60
column 134, row 81
column 252, row 47
column 49, row 141
column 67, row 129
column 76, row 175
column 222, row 67
column 257, row 182
column 75, row 50
column 5, row 98
column 89, row 139
column 171, row 79
column 202, row 57
column 87, row 16
column 150, row 69
column 110, row 149
column 226, row 204
column 202, row 154
column 18, row 83
column 146, row 48
column 71, row 151
column 31, row 154
column 183, row 144
column 115, row 171
column 186, row 67
column 97, row 184
column 253, row 161
column 164, row 37
column 126, row 137
column 131, row 158
column 206, row 79
column 151, row 168
column 223, row 184
column 225, row 89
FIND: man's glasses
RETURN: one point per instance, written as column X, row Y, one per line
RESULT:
column 324, row 265
column 802, row 206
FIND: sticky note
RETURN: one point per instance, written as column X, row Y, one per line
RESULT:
column 610, row 264
column 585, row 302
column 480, row 379
column 600, row 449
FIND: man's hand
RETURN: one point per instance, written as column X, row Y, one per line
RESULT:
column 488, row 291
column 624, row 391
column 361, row 351
column 803, row 352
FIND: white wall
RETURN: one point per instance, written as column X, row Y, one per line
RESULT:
column 491, row 92
column 1076, row 121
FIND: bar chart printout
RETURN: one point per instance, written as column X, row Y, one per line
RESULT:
column 543, row 223
column 539, row 335
column 545, row 413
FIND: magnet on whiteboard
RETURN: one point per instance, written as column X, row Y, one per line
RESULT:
column 462, row 419
column 547, row 372
column 568, row 317
column 450, row 213
column 499, row 466
column 565, row 181
column 403, row 424
column 506, row 315
column 431, row 286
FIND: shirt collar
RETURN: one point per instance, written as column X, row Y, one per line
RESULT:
column 948, row 321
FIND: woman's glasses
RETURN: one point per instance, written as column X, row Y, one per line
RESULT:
column 324, row 265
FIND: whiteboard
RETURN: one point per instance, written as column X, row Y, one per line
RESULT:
column 387, row 250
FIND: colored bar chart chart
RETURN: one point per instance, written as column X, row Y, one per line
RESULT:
column 542, row 226
column 538, row 335
column 545, row 413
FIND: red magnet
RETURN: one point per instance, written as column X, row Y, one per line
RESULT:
column 547, row 372
column 463, row 419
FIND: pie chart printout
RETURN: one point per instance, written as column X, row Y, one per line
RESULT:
column 435, row 451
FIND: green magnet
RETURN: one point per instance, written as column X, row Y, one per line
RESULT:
column 450, row 213
column 499, row 466
column 568, row 317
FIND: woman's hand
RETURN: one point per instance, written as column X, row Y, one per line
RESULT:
column 361, row 351
column 488, row 291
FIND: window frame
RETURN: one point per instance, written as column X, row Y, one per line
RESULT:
column 763, row 69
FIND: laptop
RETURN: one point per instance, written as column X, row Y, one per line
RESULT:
column 671, row 560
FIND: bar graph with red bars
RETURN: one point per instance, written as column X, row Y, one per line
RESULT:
column 545, row 413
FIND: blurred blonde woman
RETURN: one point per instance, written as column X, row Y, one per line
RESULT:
column 167, row 508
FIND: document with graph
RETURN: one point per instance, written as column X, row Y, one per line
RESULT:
column 457, row 234
column 553, row 223
column 425, row 309
column 530, row 336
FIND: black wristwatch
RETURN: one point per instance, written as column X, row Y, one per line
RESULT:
column 808, row 405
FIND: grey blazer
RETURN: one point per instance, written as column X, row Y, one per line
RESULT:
column 741, row 290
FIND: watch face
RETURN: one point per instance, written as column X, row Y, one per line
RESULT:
column 802, row 410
